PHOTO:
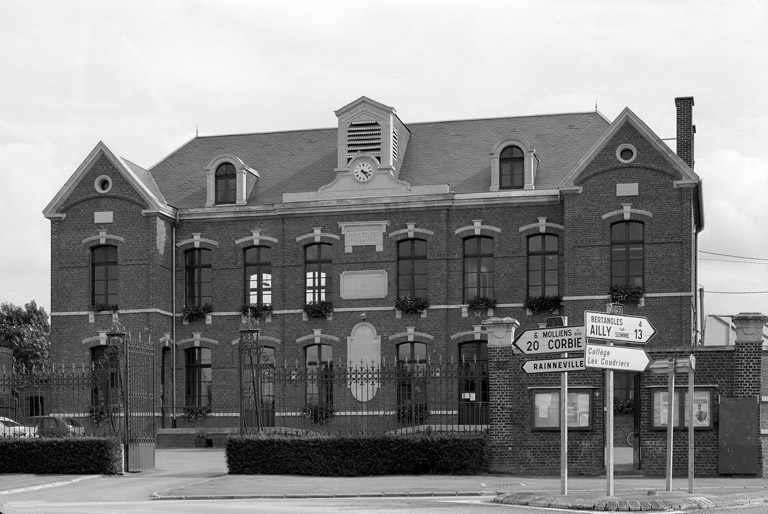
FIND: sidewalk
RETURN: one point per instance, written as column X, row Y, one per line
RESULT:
column 205, row 477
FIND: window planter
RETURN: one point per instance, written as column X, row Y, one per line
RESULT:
column 102, row 307
column 197, row 312
column 626, row 294
column 318, row 414
column 482, row 303
column 256, row 310
column 195, row 413
column 411, row 304
column 537, row 304
column 318, row 310
column 416, row 414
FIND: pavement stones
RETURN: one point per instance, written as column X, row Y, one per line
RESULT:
column 208, row 479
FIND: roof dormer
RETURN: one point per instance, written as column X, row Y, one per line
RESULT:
column 368, row 128
column 227, row 181
column 513, row 165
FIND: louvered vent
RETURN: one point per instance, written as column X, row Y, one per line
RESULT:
column 394, row 143
column 364, row 137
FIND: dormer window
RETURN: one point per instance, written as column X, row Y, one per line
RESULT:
column 513, row 165
column 511, row 168
column 226, row 183
column 229, row 181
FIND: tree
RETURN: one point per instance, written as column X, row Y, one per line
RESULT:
column 26, row 331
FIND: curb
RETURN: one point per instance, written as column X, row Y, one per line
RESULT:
column 613, row 504
column 418, row 494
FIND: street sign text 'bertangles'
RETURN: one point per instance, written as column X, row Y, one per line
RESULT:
column 551, row 340
column 618, row 328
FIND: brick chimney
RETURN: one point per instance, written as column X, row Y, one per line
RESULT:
column 685, row 129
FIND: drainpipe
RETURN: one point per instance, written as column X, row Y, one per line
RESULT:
column 173, row 320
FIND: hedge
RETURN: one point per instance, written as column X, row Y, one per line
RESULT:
column 356, row 456
column 63, row 456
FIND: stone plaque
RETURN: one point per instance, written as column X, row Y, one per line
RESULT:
column 358, row 285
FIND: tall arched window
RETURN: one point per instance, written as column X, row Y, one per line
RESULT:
column 319, row 392
column 318, row 268
column 543, row 265
column 627, row 254
column 197, row 274
column 199, row 377
column 258, row 275
column 478, row 267
column 226, row 183
column 258, row 374
column 474, row 391
column 104, row 276
column 511, row 168
column 412, row 406
column 412, row 268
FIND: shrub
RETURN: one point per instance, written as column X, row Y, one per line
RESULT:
column 256, row 310
column 625, row 293
column 479, row 303
column 319, row 309
column 411, row 304
column 425, row 453
column 543, row 303
column 197, row 312
column 101, row 307
column 61, row 455
column 318, row 414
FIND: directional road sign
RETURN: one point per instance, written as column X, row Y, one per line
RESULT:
column 617, row 358
column 554, row 365
column 619, row 328
column 551, row 340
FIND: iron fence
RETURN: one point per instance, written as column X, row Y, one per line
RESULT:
column 364, row 399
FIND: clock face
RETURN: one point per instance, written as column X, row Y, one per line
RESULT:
column 363, row 171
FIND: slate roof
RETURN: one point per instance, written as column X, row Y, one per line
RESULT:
column 456, row 153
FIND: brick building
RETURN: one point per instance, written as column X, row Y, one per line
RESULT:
column 521, row 217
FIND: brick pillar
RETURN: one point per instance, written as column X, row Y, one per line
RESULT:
column 501, row 432
column 749, row 370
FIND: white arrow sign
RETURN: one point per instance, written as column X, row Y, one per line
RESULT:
column 619, row 328
column 551, row 340
column 617, row 358
column 554, row 365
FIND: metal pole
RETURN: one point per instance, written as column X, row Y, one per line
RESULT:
column 690, row 429
column 609, row 429
column 670, row 421
column 564, row 432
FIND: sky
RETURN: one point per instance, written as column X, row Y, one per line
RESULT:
column 144, row 76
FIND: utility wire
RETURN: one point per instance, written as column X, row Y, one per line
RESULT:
column 737, row 262
column 734, row 256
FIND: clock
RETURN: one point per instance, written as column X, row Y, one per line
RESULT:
column 363, row 171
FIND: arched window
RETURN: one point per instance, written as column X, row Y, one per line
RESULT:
column 511, row 168
column 318, row 268
column 627, row 254
column 478, row 267
column 258, row 373
column 197, row 273
column 543, row 265
column 412, row 268
column 106, row 385
column 199, row 378
column 258, row 275
column 474, row 392
column 104, row 276
column 412, row 406
column 226, row 183
column 319, row 362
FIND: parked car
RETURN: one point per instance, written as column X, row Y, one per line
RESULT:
column 11, row 428
column 55, row 426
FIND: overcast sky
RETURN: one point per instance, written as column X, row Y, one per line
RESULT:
column 142, row 76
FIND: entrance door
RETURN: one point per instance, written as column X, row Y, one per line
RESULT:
column 473, row 383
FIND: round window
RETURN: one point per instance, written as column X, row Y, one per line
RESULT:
column 626, row 153
column 103, row 184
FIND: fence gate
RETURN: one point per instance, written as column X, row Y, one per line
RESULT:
column 125, row 385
